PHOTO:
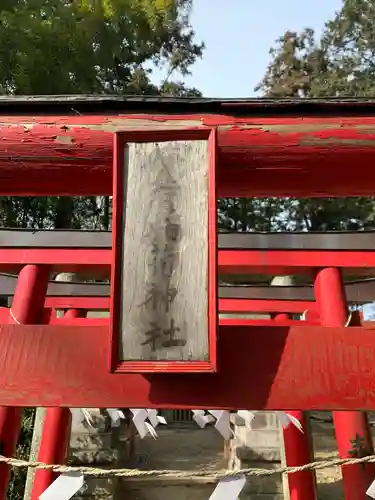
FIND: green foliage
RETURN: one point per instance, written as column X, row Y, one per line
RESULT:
column 84, row 47
column 339, row 63
column 250, row 214
column 296, row 67
column 291, row 214
column 18, row 476
column 55, row 212
column 77, row 46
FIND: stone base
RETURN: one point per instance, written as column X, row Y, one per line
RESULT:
column 260, row 448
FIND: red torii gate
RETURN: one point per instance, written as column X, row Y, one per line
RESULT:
column 63, row 146
column 91, row 296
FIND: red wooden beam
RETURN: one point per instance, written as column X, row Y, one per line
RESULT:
column 89, row 303
column 4, row 315
column 267, row 306
column 51, row 319
column 65, row 321
column 272, row 262
column 60, row 259
column 280, row 148
column 278, row 262
column 286, row 368
column 225, row 305
column 262, row 322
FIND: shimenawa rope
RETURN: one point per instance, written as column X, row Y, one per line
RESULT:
column 179, row 474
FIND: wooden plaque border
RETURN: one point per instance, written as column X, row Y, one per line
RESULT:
column 120, row 140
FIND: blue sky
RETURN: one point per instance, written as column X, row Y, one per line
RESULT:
column 238, row 35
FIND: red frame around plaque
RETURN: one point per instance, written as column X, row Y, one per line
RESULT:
column 120, row 140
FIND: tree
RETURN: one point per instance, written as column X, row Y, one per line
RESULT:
column 291, row 214
column 85, row 47
column 88, row 46
column 349, row 44
column 296, row 66
column 339, row 63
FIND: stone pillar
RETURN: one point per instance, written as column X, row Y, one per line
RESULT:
column 34, row 450
column 99, row 445
column 96, row 446
column 260, row 448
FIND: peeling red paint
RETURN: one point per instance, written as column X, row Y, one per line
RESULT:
column 306, row 155
column 64, row 139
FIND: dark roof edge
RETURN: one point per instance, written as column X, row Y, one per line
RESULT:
column 88, row 104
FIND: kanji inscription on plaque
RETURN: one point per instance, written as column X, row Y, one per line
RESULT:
column 164, row 283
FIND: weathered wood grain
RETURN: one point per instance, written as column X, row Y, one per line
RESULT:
column 164, row 313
